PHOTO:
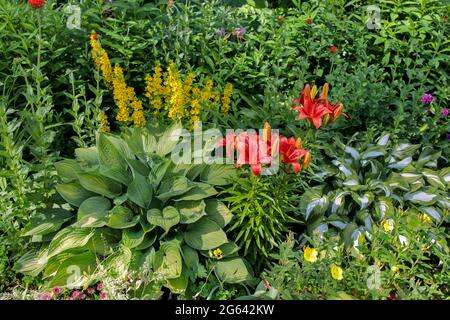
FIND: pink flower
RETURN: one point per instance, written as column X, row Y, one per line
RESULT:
column 69, row 298
column 76, row 294
column 99, row 286
column 427, row 98
column 103, row 296
column 56, row 290
column 46, row 296
column 91, row 291
column 445, row 112
column 83, row 296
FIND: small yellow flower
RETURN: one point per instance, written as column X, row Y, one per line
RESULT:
column 310, row 254
column 218, row 253
column 388, row 225
column 337, row 272
column 426, row 218
column 395, row 270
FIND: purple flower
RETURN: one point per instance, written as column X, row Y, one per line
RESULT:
column 56, row 290
column 221, row 32
column 427, row 98
column 239, row 32
column 46, row 296
column 445, row 112
column 447, row 136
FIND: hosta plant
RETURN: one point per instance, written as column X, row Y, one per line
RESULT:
column 129, row 207
column 364, row 181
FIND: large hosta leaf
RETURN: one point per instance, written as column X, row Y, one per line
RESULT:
column 405, row 150
column 174, row 187
column 69, row 238
column 338, row 202
column 422, row 197
column 373, row 152
column 218, row 212
column 199, row 192
column 32, row 262
column 178, row 285
column 166, row 219
column 68, row 169
column 383, row 207
column 50, row 220
column 191, row 211
column 169, row 139
column 140, row 191
column 99, row 184
column 433, row 178
column 233, row 270
column 87, row 156
column 109, row 155
column 93, row 212
column 168, row 262
column 133, row 237
column 73, row 193
column 74, row 271
column 204, row 234
column 218, row 175
column 121, row 218
column 433, row 213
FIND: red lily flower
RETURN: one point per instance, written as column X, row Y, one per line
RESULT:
column 336, row 111
column 36, row 3
column 291, row 152
column 310, row 108
column 333, row 49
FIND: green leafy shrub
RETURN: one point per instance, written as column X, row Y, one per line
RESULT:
column 129, row 207
column 365, row 181
column 408, row 262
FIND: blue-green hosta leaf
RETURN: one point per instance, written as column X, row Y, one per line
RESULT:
column 75, row 271
column 383, row 207
column 169, row 139
column 69, row 238
column 96, row 183
column 87, row 156
column 168, row 263
column 174, row 187
column 133, row 237
column 138, row 167
column 433, row 213
column 218, row 212
column 318, row 205
column 140, row 191
column 338, row 202
column 73, row 193
column 166, row 219
column 218, row 174
column 50, row 220
column 190, row 257
column 233, row 270
column 68, row 169
column 384, row 139
column 120, row 175
column 353, row 152
column 32, row 262
column 373, row 152
column 428, row 155
column 422, row 197
column 198, row 192
column 433, row 178
column 204, row 234
column 363, row 200
column 393, row 164
column 121, row 218
column 346, row 169
column 93, row 212
column 191, row 211
column 338, row 221
column 405, row 150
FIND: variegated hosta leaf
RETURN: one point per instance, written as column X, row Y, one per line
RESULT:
column 373, row 152
column 363, row 200
column 384, row 139
column 69, row 238
column 433, row 178
column 352, row 182
column 445, row 174
column 428, row 155
column 400, row 164
column 378, row 185
column 317, row 204
column 338, row 221
column 405, row 150
column 434, row 213
column 396, row 182
column 344, row 168
column 338, row 201
column 353, row 152
column 410, row 177
column 363, row 217
column 422, row 197
column 168, row 261
column 383, row 207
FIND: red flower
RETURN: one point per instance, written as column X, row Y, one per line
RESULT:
column 311, row 108
column 291, row 152
column 280, row 19
column 36, row 3
column 333, row 49
column 308, row 20
column 95, row 36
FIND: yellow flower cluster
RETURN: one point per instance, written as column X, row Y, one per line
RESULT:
column 124, row 96
column 104, row 123
column 180, row 99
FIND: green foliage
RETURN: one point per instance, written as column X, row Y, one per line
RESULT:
column 131, row 208
column 363, row 182
column 410, row 262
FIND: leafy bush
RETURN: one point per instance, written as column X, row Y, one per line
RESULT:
column 364, row 182
column 129, row 206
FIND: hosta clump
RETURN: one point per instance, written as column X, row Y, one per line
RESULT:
column 129, row 208
column 366, row 181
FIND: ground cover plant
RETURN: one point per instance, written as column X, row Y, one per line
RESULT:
column 224, row 149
